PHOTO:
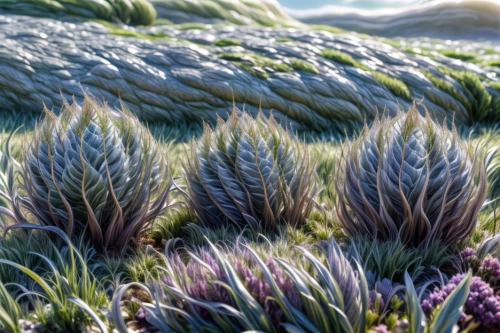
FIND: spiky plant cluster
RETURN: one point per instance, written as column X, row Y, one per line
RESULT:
column 407, row 178
column 250, row 172
column 96, row 172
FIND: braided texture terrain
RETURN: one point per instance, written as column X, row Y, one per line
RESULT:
column 182, row 76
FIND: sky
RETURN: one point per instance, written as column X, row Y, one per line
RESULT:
column 365, row 4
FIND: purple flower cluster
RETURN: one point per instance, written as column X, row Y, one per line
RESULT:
column 490, row 268
column 380, row 329
column 261, row 290
column 195, row 281
column 467, row 254
column 482, row 303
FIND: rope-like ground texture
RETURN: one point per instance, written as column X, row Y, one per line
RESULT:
column 174, row 76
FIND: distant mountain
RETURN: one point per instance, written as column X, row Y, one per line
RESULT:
column 449, row 19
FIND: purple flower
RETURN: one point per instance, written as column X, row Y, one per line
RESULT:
column 482, row 303
column 261, row 290
column 380, row 329
column 467, row 253
column 490, row 268
column 196, row 281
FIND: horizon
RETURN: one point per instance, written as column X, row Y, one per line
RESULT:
column 362, row 4
column 357, row 4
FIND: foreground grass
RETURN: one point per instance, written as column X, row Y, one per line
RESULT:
column 390, row 260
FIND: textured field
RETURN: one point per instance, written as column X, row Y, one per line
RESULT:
column 361, row 199
column 173, row 76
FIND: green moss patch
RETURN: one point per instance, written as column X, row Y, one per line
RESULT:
column 256, row 64
column 396, row 86
column 284, row 40
column 301, row 65
column 191, row 26
column 227, row 42
column 493, row 63
column 469, row 57
column 480, row 100
column 446, row 87
column 341, row 58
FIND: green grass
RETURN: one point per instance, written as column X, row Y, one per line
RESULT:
column 490, row 51
column 388, row 259
column 64, row 280
column 302, row 65
column 392, row 259
column 480, row 100
column 495, row 85
column 256, row 64
column 329, row 28
column 139, row 35
column 395, row 86
column 469, row 57
column 341, row 58
column 191, row 26
column 116, row 30
column 227, row 42
column 446, row 87
column 493, row 63
column 284, row 40
column 232, row 56
column 171, row 225
column 392, row 42
column 255, row 71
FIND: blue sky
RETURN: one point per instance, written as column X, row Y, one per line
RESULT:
column 308, row 4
